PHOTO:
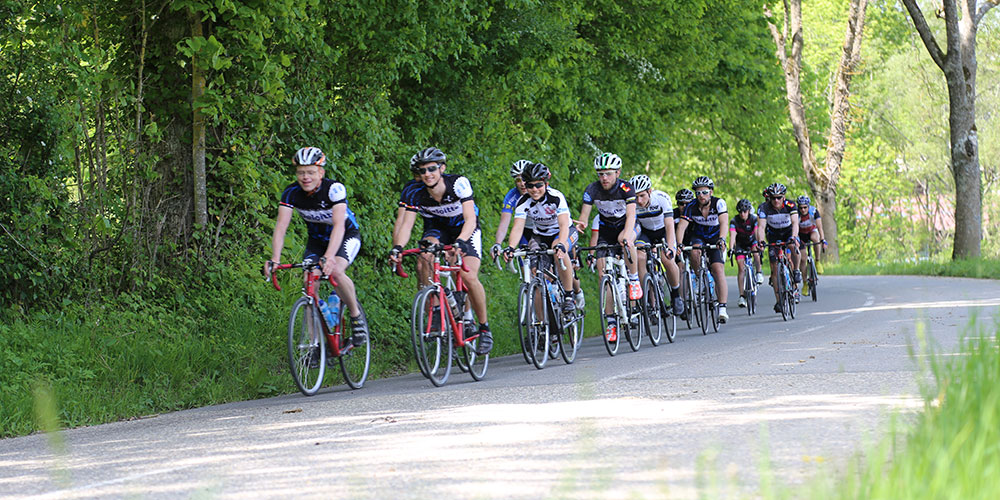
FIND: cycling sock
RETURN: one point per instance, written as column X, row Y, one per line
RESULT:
column 675, row 292
column 633, row 276
column 484, row 326
column 722, row 304
column 568, row 293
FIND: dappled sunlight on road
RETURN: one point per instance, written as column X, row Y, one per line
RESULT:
column 949, row 304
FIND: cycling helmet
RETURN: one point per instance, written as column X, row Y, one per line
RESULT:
column 309, row 156
column 428, row 155
column 685, row 196
column 641, row 183
column 743, row 204
column 607, row 161
column 536, row 172
column 776, row 189
column 804, row 200
column 703, row 182
column 518, row 167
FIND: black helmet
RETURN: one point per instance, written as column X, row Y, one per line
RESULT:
column 703, row 182
column 309, row 156
column 743, row 204
column 536, row 172
column 776, row 189
column 428, row 155
column 684, row 196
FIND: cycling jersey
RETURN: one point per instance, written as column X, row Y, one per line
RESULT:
column 509, row 202
column 449, row 210
column 316, row 208
column 651, row 216
column 745, row 230
column 409, row 190
column 544, row 212
column 779, row 220
column 807, row 222
column 611, row 203
column 704, row 227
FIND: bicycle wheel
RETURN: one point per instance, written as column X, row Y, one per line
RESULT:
column 538, row 324
column 713, row 308
column 701, row 306
column 813, row 279
column 653, row 301
column 569, row 338
column 748, row 293
column 608, row 293
column 669, row 319
column 475, row 364
column 687, row 292
column 783, row 291
column 306, row 347
column 431, row 347
column 354, row 362
column 791, row 291
column 522, row 308
column 636, row 323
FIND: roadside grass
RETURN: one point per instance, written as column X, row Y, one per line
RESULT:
column 952, row 450
column 964, row 268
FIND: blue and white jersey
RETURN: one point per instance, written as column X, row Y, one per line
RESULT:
column 316, row 208
column 611, row 203
column 509, row 202
column 544, row 212
column 703, row 226
column 458, row 190
column 651, row 216
column 807, row 222
column 410, row 190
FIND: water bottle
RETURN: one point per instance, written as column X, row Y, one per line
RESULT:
column 620, row 283
column 324, row 308
column 333, row 303
column 552, row 292
column 452, row 303
column 711, row 286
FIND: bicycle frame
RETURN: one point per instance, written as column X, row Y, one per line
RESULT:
column 310, row 287
column 459, row 286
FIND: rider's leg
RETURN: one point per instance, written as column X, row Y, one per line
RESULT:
column 345, row 287
column 477, row 294
column 741, row 270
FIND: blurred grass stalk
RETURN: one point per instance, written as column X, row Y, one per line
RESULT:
column 47, row 420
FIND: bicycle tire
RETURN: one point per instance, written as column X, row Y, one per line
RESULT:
column 356, row 361
column 475, row 364
column 782, row 291
column 791, row 298
column 431, row 348
column 305, row 342
column 538, row 324
column 653, row 301
column 813, row 280
column 713, row 305
column 748, row 292
column 522, row 297
column 701, row 296
column 570, row 337
column 686, row 295
column 608, row 290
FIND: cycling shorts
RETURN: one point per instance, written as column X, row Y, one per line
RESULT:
column 349, row 247
column 714, row 254
column 447, row 234
column 540, row 242
column 652, row 237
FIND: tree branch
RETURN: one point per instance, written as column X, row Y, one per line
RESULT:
column 983, row 9
column 925, row 32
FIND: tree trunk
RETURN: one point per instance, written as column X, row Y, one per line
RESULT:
column 198, row 130
column 827, row 204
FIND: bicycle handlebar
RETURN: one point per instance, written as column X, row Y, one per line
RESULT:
column 524, row 252
column 435, row 249
column 308, row 265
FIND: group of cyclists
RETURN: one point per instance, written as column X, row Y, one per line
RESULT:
column 538, row 216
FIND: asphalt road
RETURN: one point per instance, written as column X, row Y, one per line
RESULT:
column 702, row 416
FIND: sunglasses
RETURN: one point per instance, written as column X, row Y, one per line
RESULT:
column 777, row 197
column 534, row 185
column 605, row 174
column 703, row 191
column 422, row 171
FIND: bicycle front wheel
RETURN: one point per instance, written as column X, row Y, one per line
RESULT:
column 538, row 324
column 713, row 308
column 354, row 362
column 611, row 336
column 813, row 280
column 306, row 347
column 475, row 364
column 749, row 294
column 687, row 292
column 701, row 304
column 431, row 337
column 653, row 300
column 569, row 338
column 522, row 321
column 783, row 292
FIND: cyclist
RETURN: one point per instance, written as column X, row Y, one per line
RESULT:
column 615, row 201
column 507, row 209
column 742, row 239
column 446, row 203
column 777, row 220
column 334, row 234
column 810, row 229
column 656, row 225
column 548, row 209
column 705, row 218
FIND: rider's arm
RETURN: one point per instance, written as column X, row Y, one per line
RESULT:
column 629, row 221
column 681, row 229
column 502, row 228
column 280, row 227
column 516, row 231
column 594, row 234
column 401, row 236
column 795, row 225
column 723, row 222
column 732, row 236
column 761, row 225
column 469, row 214
column 819, row 227
column 584, row 217
column 564, row 229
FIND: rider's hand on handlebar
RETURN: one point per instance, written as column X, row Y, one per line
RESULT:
column 395, row 254
column 508, row 253
column 268, row 269
column 495, row 250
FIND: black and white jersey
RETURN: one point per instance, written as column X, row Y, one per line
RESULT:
column 611, row 203
column 704, row 226
column 316, row 208
column 778, row 219
column 651, row 216
column 457, row 191
column 544, row 212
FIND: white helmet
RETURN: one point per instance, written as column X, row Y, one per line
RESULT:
column 607, row 161
column 518, row 167
column 641, row 183
column 309, row 156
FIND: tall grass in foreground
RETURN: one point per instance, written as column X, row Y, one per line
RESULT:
column 952, row 451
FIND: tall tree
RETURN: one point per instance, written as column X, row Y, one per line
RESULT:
column 961, row 21
column 789, row 41
column 198, row 126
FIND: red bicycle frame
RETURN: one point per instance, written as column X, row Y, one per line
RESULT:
column 459, row 333
column 309, row 287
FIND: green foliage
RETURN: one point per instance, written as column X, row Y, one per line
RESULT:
column 941, row 266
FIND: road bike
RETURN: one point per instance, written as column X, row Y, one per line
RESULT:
column 688, row 282
column 544, row 330
column 661, row 318
column 629, row 315
column 784, row 287
column 443, row 335
column 312, row 342
column 749, row 286
column 811, row 277
column 706, row 304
